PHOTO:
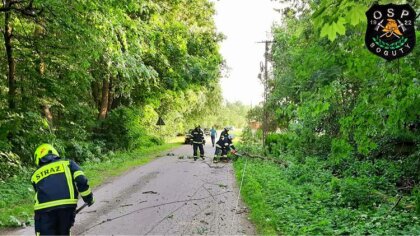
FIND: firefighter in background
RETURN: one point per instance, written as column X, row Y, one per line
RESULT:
column 223, row 146
column 198, row 142
column 225, row 133
column 57, row 183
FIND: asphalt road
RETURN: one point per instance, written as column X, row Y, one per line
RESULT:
column 173, row 195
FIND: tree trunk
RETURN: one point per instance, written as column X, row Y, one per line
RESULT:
column 47, row 113
column 110, row 95
column 10, row 61
column 95, row 94
column 105, row 99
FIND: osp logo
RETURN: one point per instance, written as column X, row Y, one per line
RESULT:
column 390, row 30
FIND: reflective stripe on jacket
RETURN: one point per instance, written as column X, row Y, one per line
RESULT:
column 222, row 143
column 197, row 136
column 58, row 184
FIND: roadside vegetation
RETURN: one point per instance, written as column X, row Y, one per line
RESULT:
column 342, row 156
column 306, row 198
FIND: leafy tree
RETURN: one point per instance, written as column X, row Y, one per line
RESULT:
column 76, row 62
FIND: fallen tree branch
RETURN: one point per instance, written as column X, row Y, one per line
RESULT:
column 396, row 204
column 264, row 158
column 215, row 166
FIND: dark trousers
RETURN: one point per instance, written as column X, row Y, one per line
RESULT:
column 55, row 222
column 220, row 153
column 198, row 146
column 213, row 138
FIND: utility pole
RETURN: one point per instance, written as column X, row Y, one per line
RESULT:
column 265, row 83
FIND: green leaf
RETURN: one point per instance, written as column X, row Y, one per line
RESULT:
column 324, row 31
column 339, row 26
column 328, row 30
column 332, row 34
column 332, row 29
column 356, row 14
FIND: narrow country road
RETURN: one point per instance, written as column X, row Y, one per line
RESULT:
column 169, row 196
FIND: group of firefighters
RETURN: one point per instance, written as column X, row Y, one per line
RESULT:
column 58, row 183
column 223, row 145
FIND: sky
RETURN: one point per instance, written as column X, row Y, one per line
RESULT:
column 244, row 23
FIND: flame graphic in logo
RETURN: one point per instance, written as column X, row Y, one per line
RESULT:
column 391, row 28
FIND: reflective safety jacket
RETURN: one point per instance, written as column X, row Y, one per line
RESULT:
column 198, row 136
column 225, row 144
column 225, row 134
column 58, row 183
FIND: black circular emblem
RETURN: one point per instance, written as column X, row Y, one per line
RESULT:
column 390, row 30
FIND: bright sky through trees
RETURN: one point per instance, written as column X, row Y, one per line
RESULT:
column 244, row 22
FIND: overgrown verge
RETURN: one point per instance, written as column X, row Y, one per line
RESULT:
column 308, row 197
column 349, row 134
column 16, row 193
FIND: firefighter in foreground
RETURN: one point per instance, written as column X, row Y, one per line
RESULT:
column 223, row 146
column 57, row 183
column 198, row 142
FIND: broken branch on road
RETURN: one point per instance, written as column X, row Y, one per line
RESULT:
column 149, row 192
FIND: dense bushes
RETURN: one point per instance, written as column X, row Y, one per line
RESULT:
column 278, row 143
column 10, row 165
column 307, row 198
column 121, row 129
column 336, row 191
column 21, row 132
column 358, row 181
